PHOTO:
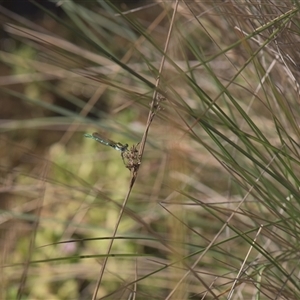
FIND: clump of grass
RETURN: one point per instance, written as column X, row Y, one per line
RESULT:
column 206, row 94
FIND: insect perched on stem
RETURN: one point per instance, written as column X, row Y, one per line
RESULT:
column 131, row 157
column 117, row 146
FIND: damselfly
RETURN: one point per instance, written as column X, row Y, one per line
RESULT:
column 117, row 146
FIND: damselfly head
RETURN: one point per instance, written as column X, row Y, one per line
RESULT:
column 121, row 147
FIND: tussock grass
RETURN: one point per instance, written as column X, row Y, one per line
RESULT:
column 207, row 93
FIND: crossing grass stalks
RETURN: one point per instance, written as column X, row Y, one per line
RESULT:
column 206, row 95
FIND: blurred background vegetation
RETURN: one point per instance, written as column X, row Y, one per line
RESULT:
column 214, row 212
